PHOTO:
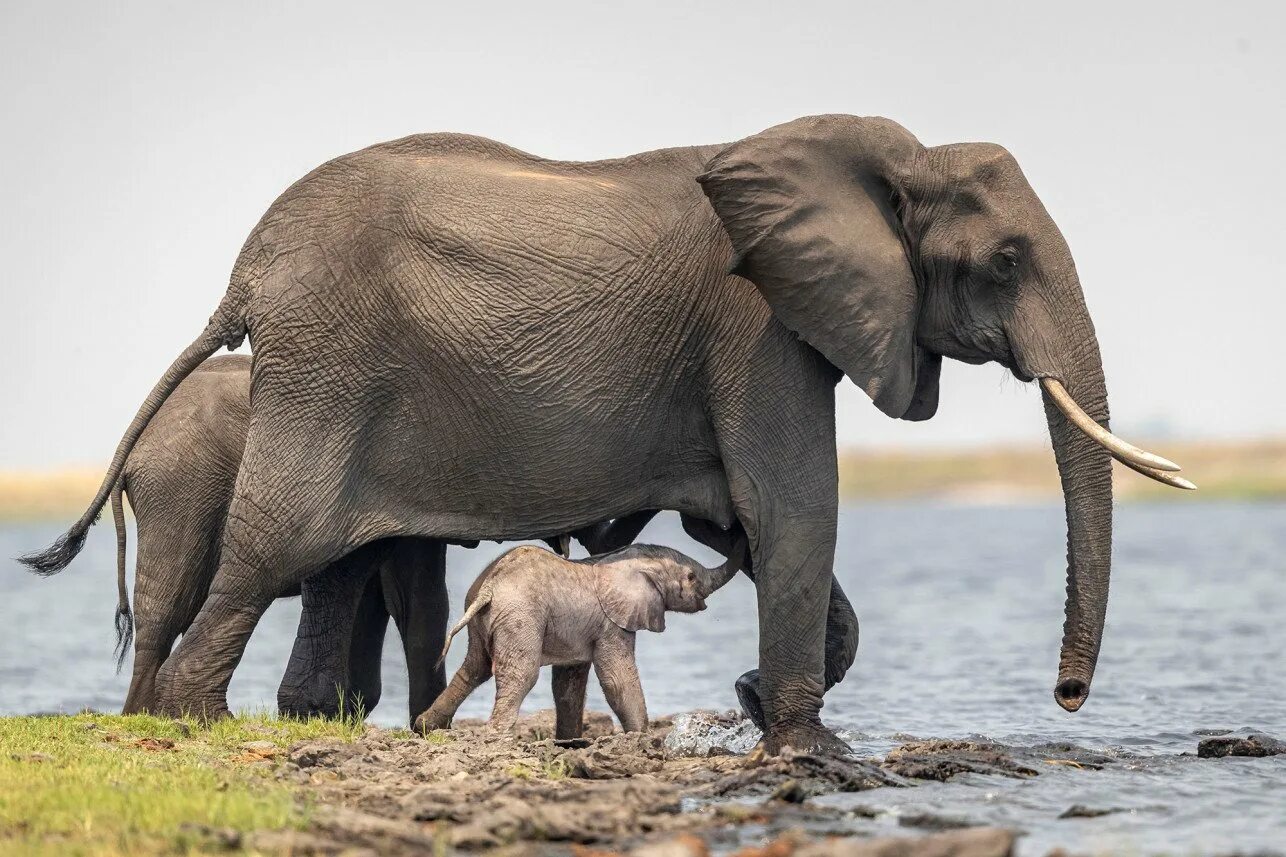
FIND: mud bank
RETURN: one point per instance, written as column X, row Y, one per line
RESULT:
column 674, row 791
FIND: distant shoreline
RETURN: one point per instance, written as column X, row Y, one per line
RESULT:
column 1224, row 470
column 1252, row 469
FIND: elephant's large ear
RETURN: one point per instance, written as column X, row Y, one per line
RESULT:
column 809, row 206
column 629, row 598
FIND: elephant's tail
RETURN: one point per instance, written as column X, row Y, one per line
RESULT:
column 483, row 599
column 124, row 616
column 226, row 328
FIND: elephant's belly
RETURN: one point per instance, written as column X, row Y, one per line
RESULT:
column 570, row 637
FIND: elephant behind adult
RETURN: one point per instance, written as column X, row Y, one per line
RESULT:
column 457, row 339
column 179, row 480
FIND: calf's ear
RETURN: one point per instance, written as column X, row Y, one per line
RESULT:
column 629, row 598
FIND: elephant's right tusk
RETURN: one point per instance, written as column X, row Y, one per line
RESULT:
column 1123, row 452
column 1160, row 476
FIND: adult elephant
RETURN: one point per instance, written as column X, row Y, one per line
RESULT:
column 457, row 339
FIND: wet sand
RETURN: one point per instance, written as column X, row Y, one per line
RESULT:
column 664, row 792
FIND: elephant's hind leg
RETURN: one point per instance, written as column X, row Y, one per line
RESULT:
column 162, row 611
column 570, row 681
column 258, row 561
column 366, row 649
column 475, row 670
column 516, row 661
column 317, row 679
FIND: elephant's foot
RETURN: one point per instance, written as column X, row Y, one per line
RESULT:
column 812, row 738
column 177, row 706
column 747, row 688
column 430, row 721
column 321, row 697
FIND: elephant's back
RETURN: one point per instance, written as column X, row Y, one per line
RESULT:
column 456, row 191
column 192, row 447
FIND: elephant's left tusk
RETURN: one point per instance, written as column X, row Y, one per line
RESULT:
column 1160, row 476
column 1123, row 452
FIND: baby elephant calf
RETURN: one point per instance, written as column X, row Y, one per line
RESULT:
column 531, row 607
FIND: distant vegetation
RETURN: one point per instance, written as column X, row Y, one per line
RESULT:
column 1241, row 470
column 1244, row 470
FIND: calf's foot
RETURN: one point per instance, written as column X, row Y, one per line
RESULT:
column 431, row 720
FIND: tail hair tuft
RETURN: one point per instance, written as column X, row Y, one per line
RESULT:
column 124, row 634
column 57, row 556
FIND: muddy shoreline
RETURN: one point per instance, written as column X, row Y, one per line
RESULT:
column 664, row 792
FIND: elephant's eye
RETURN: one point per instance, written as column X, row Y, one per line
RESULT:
column 1004, row 265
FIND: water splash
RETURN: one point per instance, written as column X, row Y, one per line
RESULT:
column 697, row 733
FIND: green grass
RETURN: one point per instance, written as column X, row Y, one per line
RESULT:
column 115, row 785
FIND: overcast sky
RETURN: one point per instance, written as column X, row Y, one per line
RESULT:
column 141, row 141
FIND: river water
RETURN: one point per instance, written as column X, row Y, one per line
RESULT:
column 961, row 612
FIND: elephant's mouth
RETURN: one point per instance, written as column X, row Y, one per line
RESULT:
column 1012, row 365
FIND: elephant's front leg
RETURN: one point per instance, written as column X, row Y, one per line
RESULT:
column 842, row 634
column 842, row 631
column 316, row 680
column 619, row 676
column 793, row 558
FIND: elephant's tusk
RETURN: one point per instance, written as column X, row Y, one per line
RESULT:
column 1160, row 476
column 1123, row 452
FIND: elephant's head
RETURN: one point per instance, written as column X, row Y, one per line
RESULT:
column 886, row 256
column 639, row 583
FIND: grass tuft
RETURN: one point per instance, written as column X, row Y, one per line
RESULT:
column 106, row 784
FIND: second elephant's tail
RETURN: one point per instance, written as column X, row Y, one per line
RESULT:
column 124, row 616
column 483, row 599
column 226, row 328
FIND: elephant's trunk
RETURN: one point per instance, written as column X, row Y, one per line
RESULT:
column 711, row 579
column 1085, row 468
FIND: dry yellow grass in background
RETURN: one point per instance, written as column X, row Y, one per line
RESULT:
column 45, row 496
column 1249, row 470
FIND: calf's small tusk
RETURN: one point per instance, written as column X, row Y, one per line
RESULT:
column 1123, row 452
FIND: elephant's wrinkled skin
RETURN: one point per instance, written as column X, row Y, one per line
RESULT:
column 179, row 480
column 457, row 339
column 530, row 608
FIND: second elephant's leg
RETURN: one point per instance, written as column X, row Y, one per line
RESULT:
column 160, row 616
column 316, row 679
column 415, row 595
column 570, row 681
column 607, row 536
column 366, row 648
column 619, row 675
